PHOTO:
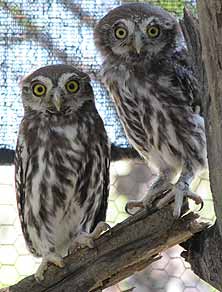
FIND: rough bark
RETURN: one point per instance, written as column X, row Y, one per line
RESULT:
column 205, row 39
column 210, row 18
column 129, row 247
column 203, row 252
column 190, row 28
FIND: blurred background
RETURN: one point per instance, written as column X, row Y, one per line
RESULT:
column 36, row 33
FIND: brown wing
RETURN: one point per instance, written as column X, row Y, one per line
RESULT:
column 21, row 166
column 185, row 76
column 106, row 149
column 101, row 212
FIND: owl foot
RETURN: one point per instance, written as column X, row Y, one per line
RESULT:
column 87, row 239
column 50, row 258
column 179, row 191
column 147, row 202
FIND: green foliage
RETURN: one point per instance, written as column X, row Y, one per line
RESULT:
column 173, row 6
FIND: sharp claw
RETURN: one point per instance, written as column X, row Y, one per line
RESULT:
column 133, row 204
column 108, row 227
column 197, row 199
column 127, row 211
column 60, row 264
column 101, row 227
column 201, row 206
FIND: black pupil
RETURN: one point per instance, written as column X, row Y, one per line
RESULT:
column 153, row 31
column 40, row 89
column 121, row 32
column 71, row 86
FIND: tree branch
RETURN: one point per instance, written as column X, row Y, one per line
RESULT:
column 129, row 247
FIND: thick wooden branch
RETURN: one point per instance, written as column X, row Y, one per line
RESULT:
column 129, row 247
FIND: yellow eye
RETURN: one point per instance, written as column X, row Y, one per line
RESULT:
column 153, row 31
column 39, row 89
column 121, row 33
column 72, row 86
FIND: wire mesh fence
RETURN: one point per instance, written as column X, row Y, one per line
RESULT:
column 37, row 33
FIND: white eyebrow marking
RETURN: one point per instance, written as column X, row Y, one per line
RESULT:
column 45, row 80
column 148, row 21
column 65, row 77
column 156, row 20
column 128, row 23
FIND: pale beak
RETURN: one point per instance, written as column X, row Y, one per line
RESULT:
column 138, row 43
column 57, row 101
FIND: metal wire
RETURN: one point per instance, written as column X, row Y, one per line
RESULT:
column 37, row 33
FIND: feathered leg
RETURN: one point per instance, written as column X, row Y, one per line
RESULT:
column 161, row 184
column 178, row 191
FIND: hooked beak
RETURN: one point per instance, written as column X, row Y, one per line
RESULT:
column 138, row 43
column 57, row 101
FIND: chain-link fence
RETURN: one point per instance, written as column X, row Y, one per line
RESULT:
column 36, row 33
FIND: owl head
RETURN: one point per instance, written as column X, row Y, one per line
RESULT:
column 136, row 32
column 56, row 89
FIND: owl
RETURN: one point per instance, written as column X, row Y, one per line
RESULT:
column 61, row 164
column 155, row 94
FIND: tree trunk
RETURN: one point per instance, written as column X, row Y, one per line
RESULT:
column 203, row 252
column 210, row 18
column 204, row 39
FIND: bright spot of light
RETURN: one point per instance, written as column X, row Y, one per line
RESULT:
column 122, row 168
